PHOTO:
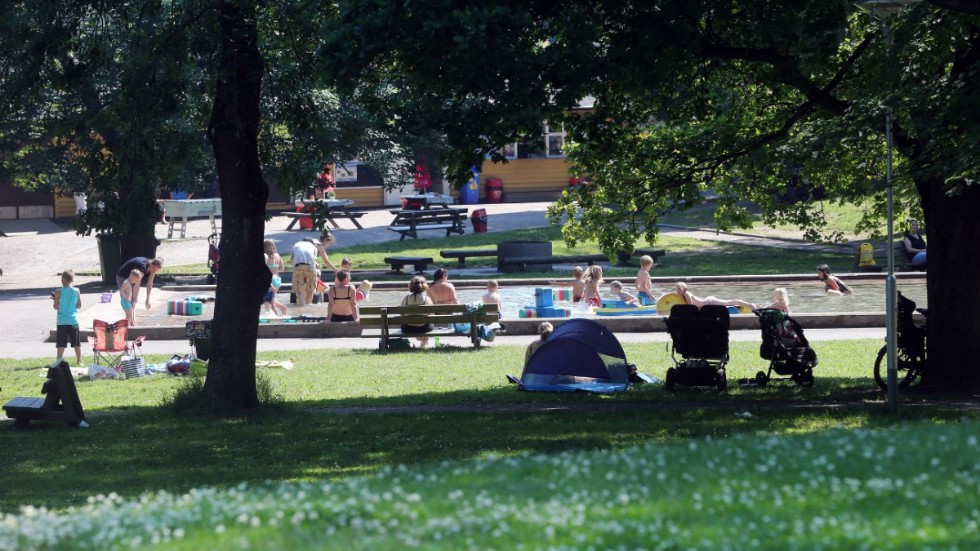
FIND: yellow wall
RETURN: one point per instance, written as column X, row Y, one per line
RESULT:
column 362, row 196
column 526, row 175
column 64, row 206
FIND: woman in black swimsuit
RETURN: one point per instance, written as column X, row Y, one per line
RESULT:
column 342, row 308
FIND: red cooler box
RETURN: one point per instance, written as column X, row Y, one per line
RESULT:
column 479, row 219
column 495, row 190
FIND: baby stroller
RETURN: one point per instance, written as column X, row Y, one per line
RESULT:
column 700, row 336
column 214, row 258
column 787, row 350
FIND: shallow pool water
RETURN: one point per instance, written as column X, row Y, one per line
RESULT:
column 805, row 297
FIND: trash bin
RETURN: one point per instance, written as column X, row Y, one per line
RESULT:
column 470, row 194
column 479, row 219
column 305, row 223
column 110, row 256
column 495, row 190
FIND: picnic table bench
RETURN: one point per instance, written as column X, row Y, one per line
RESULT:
column 524, row 262
column 189, row 208
column 61, row 402
column 462, row 254
column 624, row 258
column 408, row 222
column 880, row 258
column 420, row 263
column 330, row 208
column 384, row 322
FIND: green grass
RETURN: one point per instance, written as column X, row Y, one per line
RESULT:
column 495, row 467
column 685, row 256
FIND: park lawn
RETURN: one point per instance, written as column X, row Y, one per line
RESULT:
column 685, row 256
column 458, row 414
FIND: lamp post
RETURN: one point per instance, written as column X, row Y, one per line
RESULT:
column 883, row 10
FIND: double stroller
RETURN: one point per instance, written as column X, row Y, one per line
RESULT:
column 787, row 350
column 700, row 336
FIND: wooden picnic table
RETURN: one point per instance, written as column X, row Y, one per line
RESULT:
column 408, row 222
column 333, row 208
column 430, row 200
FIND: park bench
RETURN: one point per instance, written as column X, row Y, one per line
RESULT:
column 624, row 258
column 384, row 322
column 462, row 254
column 523, row 262
column 409, row 222
column 61, row 402
column 419, row 263
column 880, row 256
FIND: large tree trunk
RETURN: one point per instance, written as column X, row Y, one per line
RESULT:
column 233, row 131
column 953, row 226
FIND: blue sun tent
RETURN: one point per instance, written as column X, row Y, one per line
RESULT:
column 580, row 356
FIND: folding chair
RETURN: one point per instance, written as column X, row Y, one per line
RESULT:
column 109, row 343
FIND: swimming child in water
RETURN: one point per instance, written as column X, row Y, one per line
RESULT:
column 616, row 288
column 831, row 283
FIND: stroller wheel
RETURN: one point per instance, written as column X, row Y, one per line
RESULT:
column 722, row 380
column 805, row 378
column 669, row 380
column 761, row 379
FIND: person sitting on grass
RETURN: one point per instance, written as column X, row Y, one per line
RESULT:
column 690, row 298
column 544, row 331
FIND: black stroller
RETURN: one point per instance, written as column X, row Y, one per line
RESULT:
column 787, row 350
column 214, row 258
column 700, row 336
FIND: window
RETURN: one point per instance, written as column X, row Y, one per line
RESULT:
column 554, row 141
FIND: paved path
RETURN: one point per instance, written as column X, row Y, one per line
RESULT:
column 35, row 251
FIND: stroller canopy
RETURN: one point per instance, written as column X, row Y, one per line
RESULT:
column 580, row 355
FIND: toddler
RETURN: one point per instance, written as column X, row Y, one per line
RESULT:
column 616, row 288
column 578, row 285
column 275, row 264
column 127, row 294
column 592, row 281
column 644, row 285
column 491, row 297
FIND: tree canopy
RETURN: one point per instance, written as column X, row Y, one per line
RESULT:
column 778, row 102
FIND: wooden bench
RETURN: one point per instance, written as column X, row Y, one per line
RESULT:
column 462, row 254
column 409, row 222
column 419, row 263
column 61, row 402
column 384, row 322
column 624, row 258
column 524, row 262
column 353, row 216
column 880, row 255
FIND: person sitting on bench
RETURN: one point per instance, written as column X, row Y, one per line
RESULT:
column 417, row 296
column 915, row 245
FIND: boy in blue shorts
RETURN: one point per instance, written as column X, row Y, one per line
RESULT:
column 67, row 301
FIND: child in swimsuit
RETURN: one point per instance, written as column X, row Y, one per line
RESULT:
column 127, row 292
column 342, row 300
column 644, row 285
column 491, row 297
column 616, row 288
column 275, row 264
column 578, row 286
column 592, row 280
column 831, row 283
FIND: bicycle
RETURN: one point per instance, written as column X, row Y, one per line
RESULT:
column 911, row 343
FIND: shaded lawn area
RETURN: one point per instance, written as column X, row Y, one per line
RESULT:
column 136, row 446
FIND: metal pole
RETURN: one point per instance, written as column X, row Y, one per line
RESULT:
column 890, row 290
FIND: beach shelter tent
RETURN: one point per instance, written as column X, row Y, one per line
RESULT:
column 580, row 355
